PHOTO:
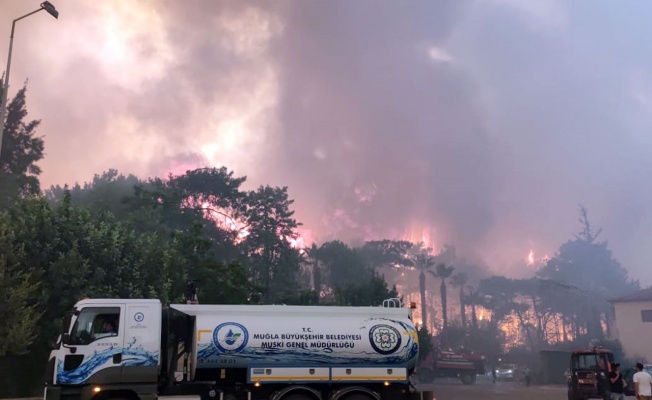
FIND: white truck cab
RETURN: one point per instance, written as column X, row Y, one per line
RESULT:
column 107, row 342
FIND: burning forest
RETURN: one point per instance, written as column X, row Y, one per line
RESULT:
column 330, row 153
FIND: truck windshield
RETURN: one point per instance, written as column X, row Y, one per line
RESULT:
column 589, row 361
column 94, row 323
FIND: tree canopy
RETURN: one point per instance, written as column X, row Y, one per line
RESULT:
column 21, row 150
column 125, row 237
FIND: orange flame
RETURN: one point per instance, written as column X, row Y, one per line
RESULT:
column 420, row 234
column 530, row 258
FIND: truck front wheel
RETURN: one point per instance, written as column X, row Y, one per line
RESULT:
column 468, row 379
column 298, row 396
column 358, row 396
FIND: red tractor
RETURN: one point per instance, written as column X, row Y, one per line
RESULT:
column 589, row 374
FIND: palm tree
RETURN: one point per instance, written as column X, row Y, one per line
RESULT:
column 473, row 298
column 422, row 263
column 443, row 272
column 459, row 280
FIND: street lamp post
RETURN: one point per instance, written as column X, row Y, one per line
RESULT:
column 47, row 6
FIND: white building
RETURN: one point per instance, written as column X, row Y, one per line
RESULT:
column 634, row 324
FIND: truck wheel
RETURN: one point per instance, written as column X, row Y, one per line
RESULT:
column 468, row 379
column 358, row 396
column 425, row 375
column 298, row 396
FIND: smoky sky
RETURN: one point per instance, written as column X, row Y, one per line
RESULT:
column 481, row 124
column 364, row 108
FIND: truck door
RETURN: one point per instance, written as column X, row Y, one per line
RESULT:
column 92, row 351
column 142, row 343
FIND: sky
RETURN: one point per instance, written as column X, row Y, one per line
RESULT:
column 481, row 124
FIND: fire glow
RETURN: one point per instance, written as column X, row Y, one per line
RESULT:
column 420, row 234
column 228, row 223
column 531, row 259
column 303, row 239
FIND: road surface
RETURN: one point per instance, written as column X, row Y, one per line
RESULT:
column 452, row 389
column 449, row 389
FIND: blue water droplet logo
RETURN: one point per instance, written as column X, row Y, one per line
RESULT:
column 230, row 337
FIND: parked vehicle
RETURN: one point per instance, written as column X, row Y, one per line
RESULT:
column 506, row 372
column 450, row 364
column 233, row 352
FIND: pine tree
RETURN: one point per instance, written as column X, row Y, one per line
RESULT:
column 21, row 150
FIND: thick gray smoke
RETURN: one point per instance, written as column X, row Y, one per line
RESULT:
column 384, row 135
column 482, row 123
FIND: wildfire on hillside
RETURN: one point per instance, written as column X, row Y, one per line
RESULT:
column 224, row 221
column 532, row 261
column 304, row 239
column 420, row 234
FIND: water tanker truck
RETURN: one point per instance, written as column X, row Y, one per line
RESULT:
column 114, row 349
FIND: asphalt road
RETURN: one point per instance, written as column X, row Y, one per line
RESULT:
column 452, row 389
column 449, row 389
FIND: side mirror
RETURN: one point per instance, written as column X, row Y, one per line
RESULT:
column 65, row 341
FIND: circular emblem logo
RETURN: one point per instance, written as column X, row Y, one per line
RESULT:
column 384, row 339
column 139, row 317
column 230, row 337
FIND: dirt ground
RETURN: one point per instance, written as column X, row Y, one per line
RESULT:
column 445, row 389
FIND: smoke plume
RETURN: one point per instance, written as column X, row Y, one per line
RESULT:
column 477, row 124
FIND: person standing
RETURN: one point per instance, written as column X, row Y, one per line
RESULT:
column 642, row 384
column 617, row 383
column 527, row 372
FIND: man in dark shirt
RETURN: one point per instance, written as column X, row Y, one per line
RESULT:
column 617, row 383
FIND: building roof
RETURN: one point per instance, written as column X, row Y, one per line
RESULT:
column 641, row 295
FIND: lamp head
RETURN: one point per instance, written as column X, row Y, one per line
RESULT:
column 49, row 7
